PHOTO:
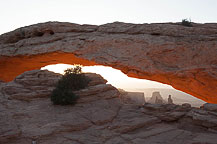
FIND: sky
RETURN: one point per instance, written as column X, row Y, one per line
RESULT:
column 19, row 13
column 113, row 76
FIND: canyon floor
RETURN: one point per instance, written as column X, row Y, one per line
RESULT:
column 101, row 116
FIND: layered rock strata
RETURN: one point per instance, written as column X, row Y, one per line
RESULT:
column 183, row 57
column 98, row 117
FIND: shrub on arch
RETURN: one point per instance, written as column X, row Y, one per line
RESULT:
column 186, row 22
column 72, row 80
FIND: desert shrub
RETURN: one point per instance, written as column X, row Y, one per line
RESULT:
column 63, row 97
column 186, row 22
column 73, row 79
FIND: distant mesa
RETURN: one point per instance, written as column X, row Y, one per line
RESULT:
column 156, row 98
column 183, row 57
column 132, row 97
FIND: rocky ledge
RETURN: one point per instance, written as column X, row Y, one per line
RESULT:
column 100, row 116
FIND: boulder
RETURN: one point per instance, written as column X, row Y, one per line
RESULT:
column 203, row 118
column 186, row 105
column 210, row 107
column 40, row 83
column 171, row 116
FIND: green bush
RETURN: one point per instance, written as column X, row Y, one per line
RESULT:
column 186, row 22
column 72, row 80
column 63, row 97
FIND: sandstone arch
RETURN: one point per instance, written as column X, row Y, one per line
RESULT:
column 183, row 57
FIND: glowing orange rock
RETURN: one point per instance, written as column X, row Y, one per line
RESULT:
column 183, row 57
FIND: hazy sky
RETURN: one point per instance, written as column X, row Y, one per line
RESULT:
column 114, row 77
column 19, row 13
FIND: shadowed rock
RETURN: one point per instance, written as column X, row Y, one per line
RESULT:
column 98, row 117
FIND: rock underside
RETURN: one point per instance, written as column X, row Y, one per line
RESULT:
column 183, row 57
column 28, row 115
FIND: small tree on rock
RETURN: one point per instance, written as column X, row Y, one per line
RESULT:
column 186, row 22
column 72, row 80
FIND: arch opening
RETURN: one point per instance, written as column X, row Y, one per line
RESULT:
column 133, row 85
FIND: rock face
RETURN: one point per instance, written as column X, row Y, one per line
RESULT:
column 27, row 113
column 31, row 85
column 183, row 57
column 39, row 84
column 98, row 117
